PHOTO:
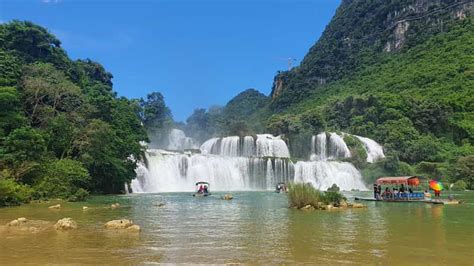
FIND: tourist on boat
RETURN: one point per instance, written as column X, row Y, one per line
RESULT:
column 379, row 192
column 427, row 195
column 386, row 193
column 376, row 190
column 205, row 191
column 201, row 189
column 395, row 192
column 437, row 194
column 402, row 189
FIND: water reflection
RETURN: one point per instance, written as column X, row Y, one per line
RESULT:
column 255, row 227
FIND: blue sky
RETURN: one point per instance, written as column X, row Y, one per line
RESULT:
column 197, row 53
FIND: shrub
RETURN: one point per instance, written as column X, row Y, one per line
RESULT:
column 80, row 195
column 62, row 179
column 300, row 195
column 332, row 197
column 334, row 188
column 13, row 193
column 464, row 169
column 459, row 185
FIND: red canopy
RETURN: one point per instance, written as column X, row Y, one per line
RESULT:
column 407, row 180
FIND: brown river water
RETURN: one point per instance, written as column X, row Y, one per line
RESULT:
column 255, row 228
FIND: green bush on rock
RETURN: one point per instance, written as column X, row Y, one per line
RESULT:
column 303, row 195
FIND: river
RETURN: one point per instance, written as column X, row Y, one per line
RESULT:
column 255, row 227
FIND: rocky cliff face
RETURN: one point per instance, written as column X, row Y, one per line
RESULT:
column 361, row 31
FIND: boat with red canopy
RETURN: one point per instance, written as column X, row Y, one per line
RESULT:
column 398, row 180
column 402, row 189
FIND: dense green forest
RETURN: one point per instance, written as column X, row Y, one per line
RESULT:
column 63, row 130
column 407, row 85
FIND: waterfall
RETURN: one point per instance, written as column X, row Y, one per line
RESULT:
column 322, row 150
column 178, row 141
column 248, row 148
column 266, row 145
column 270, row 146
column 373, row 149
column 248, row 163
column 319, row 147
column 322, row 174
column 230, row 146
column 170, row 172
column 337, row 147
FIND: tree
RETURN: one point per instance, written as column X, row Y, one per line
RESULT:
column 48, row 92
column 11, row 115
column 464, row 170
column 33, row 42
column 155, row 112
column 23, row 149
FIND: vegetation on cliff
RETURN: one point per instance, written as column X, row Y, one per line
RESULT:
column 399, row 72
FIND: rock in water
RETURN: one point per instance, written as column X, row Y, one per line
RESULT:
column 116, row 205
column 308, row 208
column 18, row 222
column 84, row 208
column 134, row 228
column 57, row 206
column 358, row 205
column 65, row 224
column 119, row 224
column 227, row 197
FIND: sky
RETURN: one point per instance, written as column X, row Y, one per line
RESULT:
column 196, row 53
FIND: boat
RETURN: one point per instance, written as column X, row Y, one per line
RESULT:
column 281, row 188
column 202, row 189
column 432, row 201
column 408, row 183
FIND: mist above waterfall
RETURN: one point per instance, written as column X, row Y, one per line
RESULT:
column 249, row 163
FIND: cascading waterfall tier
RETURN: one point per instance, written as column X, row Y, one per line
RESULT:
column 323, row 174
column 166, row 172
column 265, row 145
column 332, row 146
column 251, row 163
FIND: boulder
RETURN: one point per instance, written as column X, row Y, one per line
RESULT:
column 84, row 208
column 115, row 205
column 119, row 224
column 358, row 205
column 65, row 224
column 22, row 225
column 134, row 228
column 343, row 204
column 18, row 222
column 57, row 206
column 329, row 206
column 227, row 197
column 307, row 208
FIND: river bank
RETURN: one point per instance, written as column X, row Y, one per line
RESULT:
column 255, row 227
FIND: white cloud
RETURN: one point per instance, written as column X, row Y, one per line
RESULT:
column 50, row 1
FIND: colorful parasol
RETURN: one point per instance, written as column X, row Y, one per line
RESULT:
column 436, row 185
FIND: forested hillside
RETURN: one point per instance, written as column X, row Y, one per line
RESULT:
column 400, row 72
column 63, row 130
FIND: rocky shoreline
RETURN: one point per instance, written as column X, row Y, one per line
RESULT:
column 322, row 206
